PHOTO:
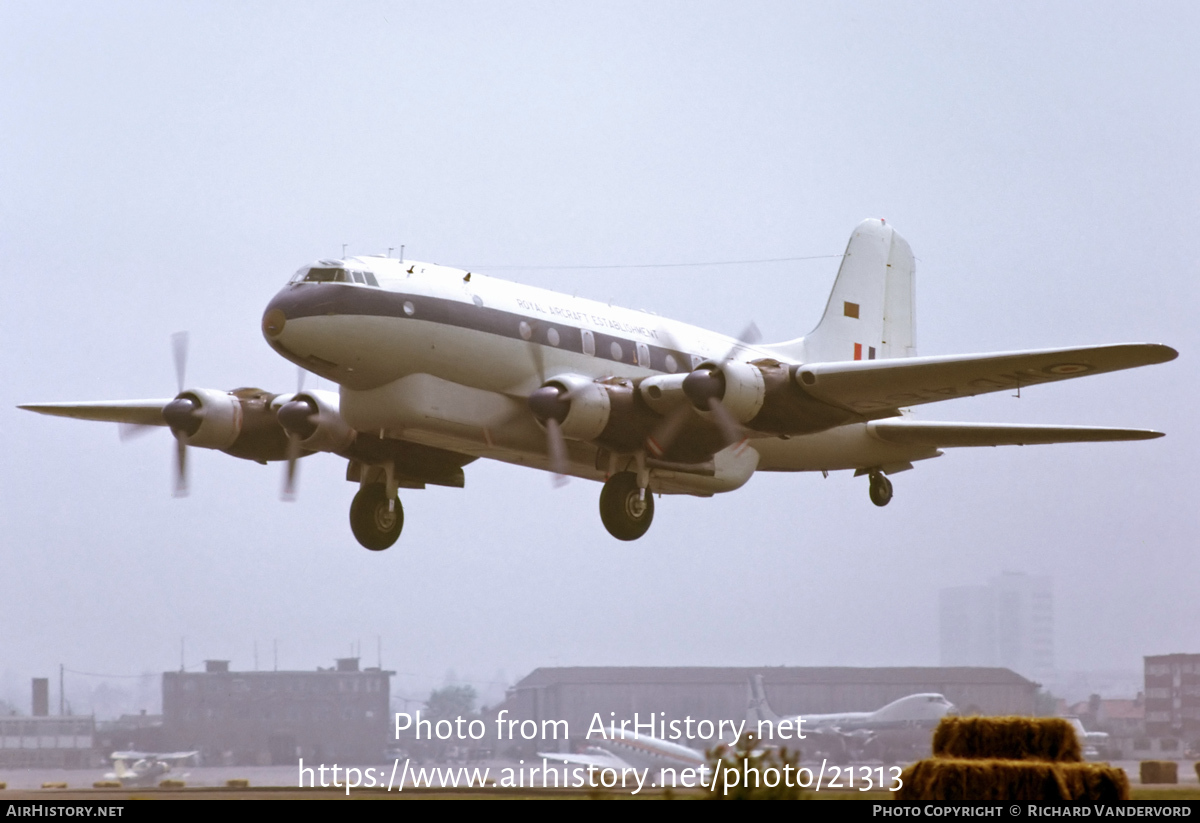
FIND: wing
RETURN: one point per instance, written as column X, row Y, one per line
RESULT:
column 949, row 435
column 136, row 412
column 594, row 756
column 867, row 386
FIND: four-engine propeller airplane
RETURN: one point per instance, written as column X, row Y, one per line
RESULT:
column 438, row 367
column 896, row 731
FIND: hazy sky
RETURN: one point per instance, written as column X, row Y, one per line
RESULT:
column 167, row 166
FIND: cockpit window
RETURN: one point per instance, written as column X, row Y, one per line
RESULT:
column 316, row 275
column 334, row 274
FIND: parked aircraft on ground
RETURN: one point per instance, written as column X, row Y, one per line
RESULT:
column 144, row 768
column 1093, row 744
column 438, row 367
column 900, row 729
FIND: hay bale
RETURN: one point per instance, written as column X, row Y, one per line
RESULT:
column 106, row 784
column 237, row 783
column 1012, row 781
column 4, row 785
column 56, row 784
column 171, row 783
column 1007, row 738
column 1159, row 771
column 1197, row 773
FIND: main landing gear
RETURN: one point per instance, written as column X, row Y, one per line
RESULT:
column 626, row 508
column 375, row 524
column 881, row 489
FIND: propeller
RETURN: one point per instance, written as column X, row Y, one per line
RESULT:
column 299, row 418
column 705, row 388
column 183, row 414
column 550, row 405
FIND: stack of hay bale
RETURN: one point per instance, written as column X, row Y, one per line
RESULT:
column 1160, row 771
column 1016, row 759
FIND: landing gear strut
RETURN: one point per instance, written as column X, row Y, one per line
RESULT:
column 626, row 508
column 881, row 489
column 375, row 524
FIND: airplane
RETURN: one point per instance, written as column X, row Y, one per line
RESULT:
column 438, row 367
column 1094, row 745
column 146, row 767
column 900, row 728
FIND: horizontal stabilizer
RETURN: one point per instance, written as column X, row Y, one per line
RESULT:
column 867, row 386
column 137, row 412
column 950, row 435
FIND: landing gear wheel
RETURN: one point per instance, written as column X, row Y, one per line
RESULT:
column 881, row 489
column 625, row 511
column 375, row 525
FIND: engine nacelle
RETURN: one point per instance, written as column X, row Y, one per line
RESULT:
column 213, row 418
column 765, row 396
column 587, row 406
column 314, row 418
column 744, row 388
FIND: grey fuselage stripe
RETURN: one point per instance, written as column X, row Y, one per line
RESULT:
column 300, row 300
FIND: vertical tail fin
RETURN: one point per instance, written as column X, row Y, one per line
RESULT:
column 758, row 709
column 870, row 313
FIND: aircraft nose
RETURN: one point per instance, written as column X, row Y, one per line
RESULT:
column 273, row 322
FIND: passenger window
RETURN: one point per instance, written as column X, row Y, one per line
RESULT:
column 589, row 342
column 358, row 277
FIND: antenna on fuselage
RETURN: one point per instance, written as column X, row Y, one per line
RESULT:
column 389, row 254
column 344, row 250
column 401, row 252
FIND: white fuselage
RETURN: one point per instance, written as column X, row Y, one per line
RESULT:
column 433, row 356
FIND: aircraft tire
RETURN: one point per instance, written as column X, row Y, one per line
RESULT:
column 625, row 515
column 881, row 489
column 374, row 525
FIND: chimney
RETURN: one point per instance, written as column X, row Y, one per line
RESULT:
column 41, row 696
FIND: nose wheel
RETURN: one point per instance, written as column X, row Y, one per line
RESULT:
column 375, row 524
column 881, row 489
column 625, row 508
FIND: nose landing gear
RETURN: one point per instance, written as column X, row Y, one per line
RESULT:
column 881, row 489
column 375, row 524
column 626, row 508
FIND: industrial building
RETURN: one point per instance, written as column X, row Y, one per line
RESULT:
column 1173, row 700
column 339, row 714
column 42, row 741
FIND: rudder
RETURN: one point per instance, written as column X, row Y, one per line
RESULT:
column 870, row 314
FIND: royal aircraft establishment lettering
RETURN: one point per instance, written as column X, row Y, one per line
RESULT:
column 579, row 316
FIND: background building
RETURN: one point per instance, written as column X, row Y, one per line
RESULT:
column 1173, row 700
column 1007, row 623
column 42, row 741
column 263, row 718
